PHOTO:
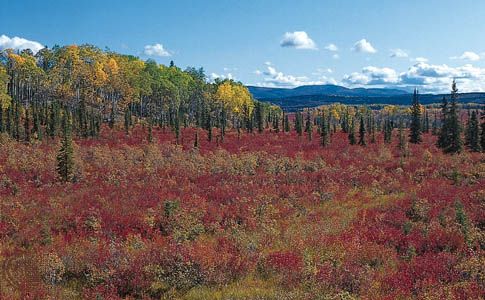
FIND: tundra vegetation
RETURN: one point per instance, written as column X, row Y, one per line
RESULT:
column 125, row 179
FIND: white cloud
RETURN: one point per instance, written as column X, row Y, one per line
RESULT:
column 467, row 55
column 274, row 78
column 429, row 77
column 419, row 59
column 331, row 47
column 373, row 76
column 398, row 53
column 335, row 56
column 214, row 76
column 156, row 50
column 364, row 46
column 18, row 43
column 298, row 40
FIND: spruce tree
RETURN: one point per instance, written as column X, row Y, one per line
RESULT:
column 287, row 123
column 9, row 123
column 402, row 140
column 298, row 124
column 473, row 134
column 415, row 128
column 209, row 127
column 223, row 123
column 324, row 131
column 276, row 123
column 454, row 142
column 127, row 120
column 482, row 134
column 387, row 131
column 65, row 162
column 352, row 131
column 196, row 139
column 362, row 132
column 308, row 125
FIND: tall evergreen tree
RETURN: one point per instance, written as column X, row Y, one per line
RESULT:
column 287, row 123
column 473, row 133
column 196, row 139
column 127, row 120
column 454, row 142
column 298, row 124
column 276, row 123
column 372, row 128
column 324, row 131
column 308, row 125
column 415, row 128
column 482, row 134
column 402, row 141
column 387, row 131
column 209, row 127
column 65, row 162
column 352, row 131
column 362, row 132
column 9, row 123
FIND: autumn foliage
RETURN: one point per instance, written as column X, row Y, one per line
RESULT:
column 257, row 216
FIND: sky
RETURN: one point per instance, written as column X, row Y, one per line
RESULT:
column 274, row 43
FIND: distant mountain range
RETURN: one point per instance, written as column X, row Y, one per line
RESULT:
column 316, row 95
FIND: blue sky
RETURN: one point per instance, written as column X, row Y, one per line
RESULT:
column 281, row 43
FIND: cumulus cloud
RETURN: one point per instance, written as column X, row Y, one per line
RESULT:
column 398, row 53
column 274, row 78
column 156, row 50
column 429, row 77
column 467, row 55
column 331, row 47
column 419, row 59
column 18, row 43
column 335, row 56
column 364, row 46
column 298, row 40
column 214, row 76
column 373, row 76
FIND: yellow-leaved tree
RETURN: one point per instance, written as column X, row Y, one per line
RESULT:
column 235, row 97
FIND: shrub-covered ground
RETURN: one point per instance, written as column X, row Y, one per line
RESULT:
column 266, row 216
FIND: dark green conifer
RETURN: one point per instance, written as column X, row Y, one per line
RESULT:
column 351, row 130
column 65, row 161
column 415, row 127
column 362, row 131
column 473, row 133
